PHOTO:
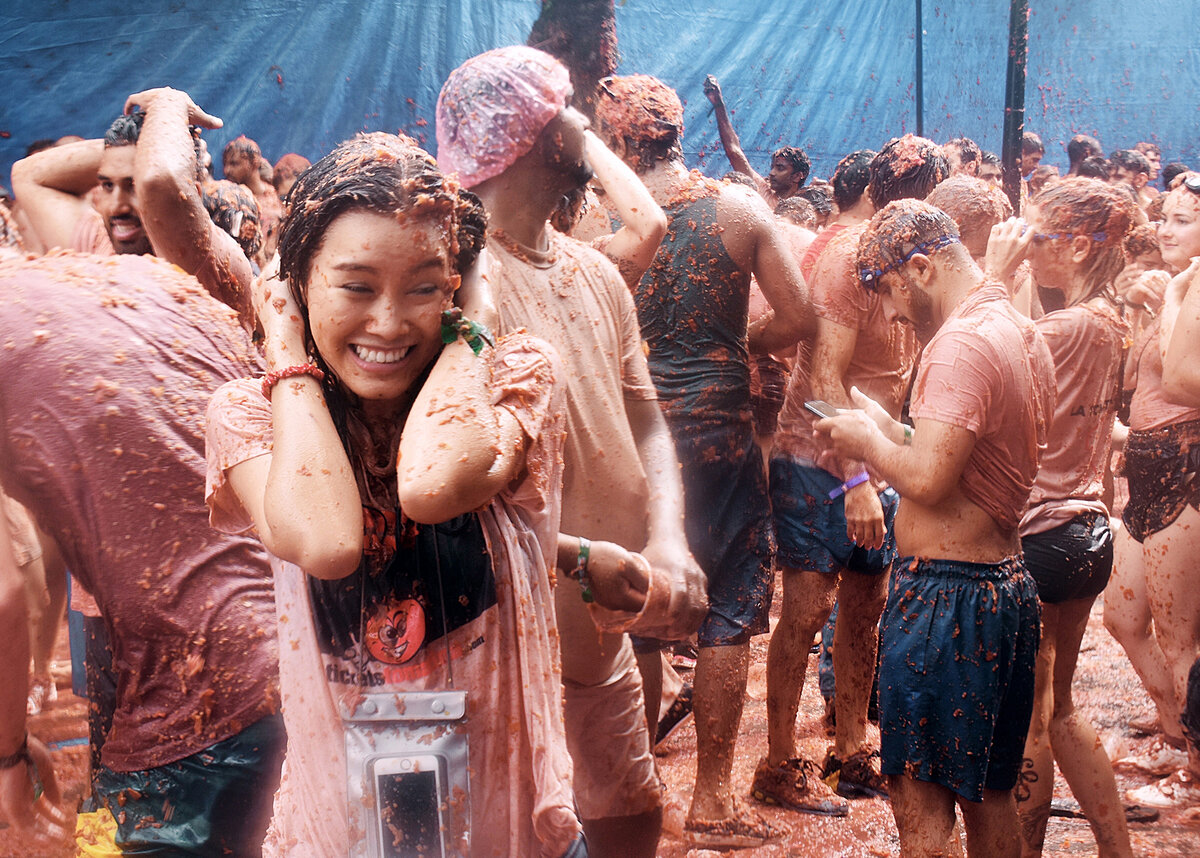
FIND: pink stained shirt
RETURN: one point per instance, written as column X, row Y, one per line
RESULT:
column 1152, row 407
column 988, row 370
column 108, row 364
column 506, row 658
column 880, row 367
column 1086, row 342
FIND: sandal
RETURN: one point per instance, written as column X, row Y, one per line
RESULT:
column 744, row 831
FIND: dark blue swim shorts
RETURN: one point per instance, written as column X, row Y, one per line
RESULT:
column 957, row 651
column 811, row 528
column 729, row 528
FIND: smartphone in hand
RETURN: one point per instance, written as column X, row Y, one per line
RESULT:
column 821, row 408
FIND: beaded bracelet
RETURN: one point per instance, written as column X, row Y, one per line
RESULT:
column 856, row 480
column 275, row 376
column 580, row 572
column 473, row 334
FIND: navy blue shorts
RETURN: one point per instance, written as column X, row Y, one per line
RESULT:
column 957, row 653
column 729, row 529
column 811, row 528
column 215, row 802
column 1071, row 561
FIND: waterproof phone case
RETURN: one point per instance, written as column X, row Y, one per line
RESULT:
column 408, row 788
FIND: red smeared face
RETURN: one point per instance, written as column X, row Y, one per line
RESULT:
column 396, row 631
column 376, row 291
column 783, row 177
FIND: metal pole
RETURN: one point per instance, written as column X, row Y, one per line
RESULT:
column 920, row 75
column 1014, row 99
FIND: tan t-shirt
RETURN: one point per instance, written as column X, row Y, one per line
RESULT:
column 883, row 358
column 988, row 370
column 574, row 298
column 1086, row 342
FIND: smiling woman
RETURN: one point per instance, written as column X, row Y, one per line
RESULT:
column 403, row 472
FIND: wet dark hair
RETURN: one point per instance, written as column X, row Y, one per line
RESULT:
column 968, row 149
column 379, row 173
column 40, row 145
column 233, row 208
column 1089, row 207
column 990, row 158
column 1170, row 171
column 242, row 145
column 821, row 197
column 797, row 157
column 125, row 130
column 739, row 179
column 850, row 177
column 1094, row 167
column 1030, row 142
column 1082, row 146
column 906, row 167
column 1146, row 148
column 798, row 210
column 895, row 232
column 1128, row 159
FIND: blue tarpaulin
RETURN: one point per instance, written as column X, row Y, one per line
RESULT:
column 831, row 77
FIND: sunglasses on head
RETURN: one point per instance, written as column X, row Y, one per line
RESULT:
column 1054, row 236
column 1192, row 183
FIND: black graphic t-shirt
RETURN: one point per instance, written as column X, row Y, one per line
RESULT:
column 395, row 612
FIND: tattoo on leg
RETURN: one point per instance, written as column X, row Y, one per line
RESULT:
column 1025, row 780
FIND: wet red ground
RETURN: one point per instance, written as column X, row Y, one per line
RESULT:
column 1106, row 690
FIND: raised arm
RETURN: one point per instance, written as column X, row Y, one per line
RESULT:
column 729, row 139
column 1180, row 337
column 633, row 246
column 52, row 187
column 302, row 497
column 172, row 211
column 459, row 448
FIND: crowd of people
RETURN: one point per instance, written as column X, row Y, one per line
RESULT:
column 397, row 493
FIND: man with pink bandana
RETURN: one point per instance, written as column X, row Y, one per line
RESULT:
column 504, row 125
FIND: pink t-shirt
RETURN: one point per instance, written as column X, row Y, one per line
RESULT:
column 1086, row 342
column 883, row 358
column 505, row 655
column 808, row 263
column 1152, row 407
column 988, row 370
column 108, row 364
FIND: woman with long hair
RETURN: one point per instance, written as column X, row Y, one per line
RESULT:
column 1074, row 245
column 402, row 468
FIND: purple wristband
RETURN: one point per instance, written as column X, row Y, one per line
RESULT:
column 856, row 480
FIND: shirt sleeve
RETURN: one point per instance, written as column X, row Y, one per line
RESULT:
column 957, row 382
column 238, row 429
column 525, row 373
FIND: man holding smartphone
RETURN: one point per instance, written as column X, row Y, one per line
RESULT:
column 960, row 630
column 832, row 520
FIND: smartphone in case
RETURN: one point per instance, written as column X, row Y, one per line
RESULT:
column 821, row 408
column 410, row 802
